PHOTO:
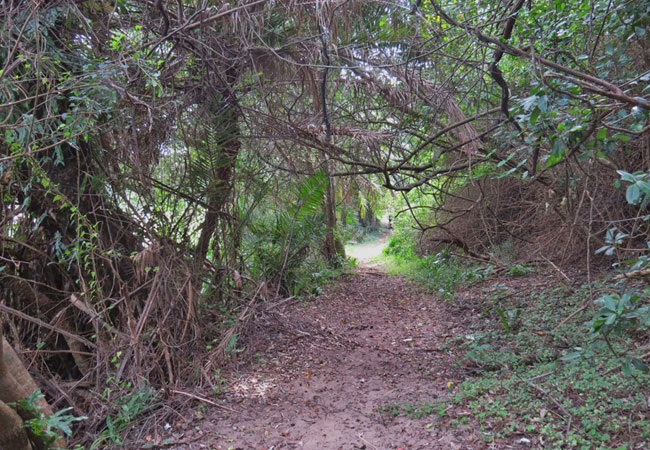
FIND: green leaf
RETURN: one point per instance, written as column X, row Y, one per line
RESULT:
column 644, row 186
column 626, row 367
column 632, row 194
column 309, row 195
column 621, row 137
column 557, row 152
column 639, row 365
column 534, row 115
column 571, row 356
column 528, row 102
column 626, row 176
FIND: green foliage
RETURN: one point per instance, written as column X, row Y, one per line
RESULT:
column 440, row 272
column 628, row 311
column 518, row 270
column 47, row 428
column 129, row 404
column 519, row 376
column 509, row 318
column 284, row 246
column 97, row 156
column 599, row 408
column 620, row 312
column 414, row 410
column 613, row 240
column 638, row 189
column 219, row 382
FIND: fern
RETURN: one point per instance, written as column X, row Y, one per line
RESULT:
column 309, row 195
column 281, row 245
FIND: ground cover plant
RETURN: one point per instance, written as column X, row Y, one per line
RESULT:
column 528, row 381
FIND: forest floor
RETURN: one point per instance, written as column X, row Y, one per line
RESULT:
column 363, row 366
column 372, row 342
column 376, row 362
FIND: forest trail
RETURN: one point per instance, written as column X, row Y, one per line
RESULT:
column 367, row 253
column 372, row 344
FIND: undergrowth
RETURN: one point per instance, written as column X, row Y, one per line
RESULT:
column 527, row 380
column 414, row 410
column 439, row 272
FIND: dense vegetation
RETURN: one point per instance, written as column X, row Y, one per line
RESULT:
column 167, row 167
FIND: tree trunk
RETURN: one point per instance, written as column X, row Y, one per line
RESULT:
column 15, row 385
column 371, row 217
column 225, row 131
column 334, row 248
column 12, row 433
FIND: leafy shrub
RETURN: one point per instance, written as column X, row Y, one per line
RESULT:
column 284, row 247
column 626, row 311
column 128, row 407
column 440, row 271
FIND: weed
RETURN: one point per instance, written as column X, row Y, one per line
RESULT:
column 128, row 407
column 524, row 388
column 509, row 318
column 47, row 428
column 260, row 359
column 219, row 381
column 440, row 272
column 519, row 270
column 414, row 410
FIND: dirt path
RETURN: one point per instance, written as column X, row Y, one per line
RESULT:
column 372, row 344
column 367, row 253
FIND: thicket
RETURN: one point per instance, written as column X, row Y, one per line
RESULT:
column 169, row 170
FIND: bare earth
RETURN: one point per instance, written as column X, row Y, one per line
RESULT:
column 325, row 382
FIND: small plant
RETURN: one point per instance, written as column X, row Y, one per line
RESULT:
column 613, row 239
column 220, row 380
column 128, row 407
column 509, row 317
column 440, row 272
column 628, row 310
column 260, row 359
column 231, row 346
column 516, row 374
column 619, row 313
column 519, row 270
column 46, row 428
column 414, row 410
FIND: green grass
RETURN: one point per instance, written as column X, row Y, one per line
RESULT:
column 439, row 273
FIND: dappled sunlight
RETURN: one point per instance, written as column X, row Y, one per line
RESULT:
column 253, row 387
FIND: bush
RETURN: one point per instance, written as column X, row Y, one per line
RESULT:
column 440, row 272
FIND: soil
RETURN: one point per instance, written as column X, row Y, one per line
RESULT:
column 328, row 381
